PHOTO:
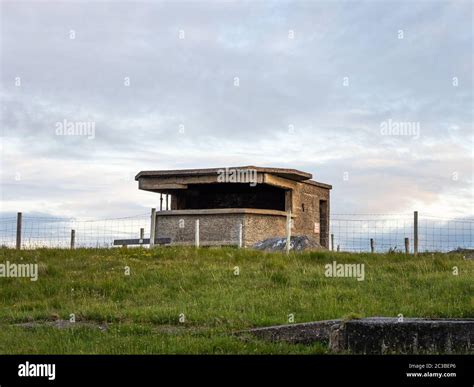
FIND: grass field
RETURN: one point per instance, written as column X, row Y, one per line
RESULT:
column 142, row 310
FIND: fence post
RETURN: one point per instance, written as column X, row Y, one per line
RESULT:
column 73, row 239
column 415, row 233
column 241, row 226
column 18, row 231
column 161, row 202
column 288, row 231
column 196, row 235
column 332, row 242
column 337, row 247
column 142, row 235
column 372, row 245
column 407, row 245
column 152, row 227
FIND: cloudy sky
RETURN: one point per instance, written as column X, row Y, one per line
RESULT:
column 310, row 85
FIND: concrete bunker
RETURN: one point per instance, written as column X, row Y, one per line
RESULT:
column 255, row 199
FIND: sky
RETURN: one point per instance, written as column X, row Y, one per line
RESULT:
column 373, row 97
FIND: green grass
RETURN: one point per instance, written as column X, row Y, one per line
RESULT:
column 142, row 310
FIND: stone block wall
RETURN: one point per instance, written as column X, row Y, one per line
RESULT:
column 219, row 229
column 308, row 196
column 260, row 227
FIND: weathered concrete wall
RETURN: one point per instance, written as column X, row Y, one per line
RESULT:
column 213, row 229
column 219, row 228
column 305, row 333
column 260, row 227
column 308, row 196
column 379, row 335
column 412, row 336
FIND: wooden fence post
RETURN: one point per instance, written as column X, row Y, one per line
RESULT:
column 18, row 230
column 372, row 245
column 407, row 245
column 241, row 235
column 161, row 202
column 332, row 242
column 288, row 231
column 152, row 227
column 338, row 248
column 73, row 239
column 415, row 233
column 196, row 235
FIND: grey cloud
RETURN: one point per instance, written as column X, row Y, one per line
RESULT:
column 282, row 82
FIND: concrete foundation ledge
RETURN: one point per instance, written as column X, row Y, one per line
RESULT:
column 380, row 335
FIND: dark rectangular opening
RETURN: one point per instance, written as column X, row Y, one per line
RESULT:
column 323, row 223
column 230, row 195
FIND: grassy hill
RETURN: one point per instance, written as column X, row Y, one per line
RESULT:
column 142, row 311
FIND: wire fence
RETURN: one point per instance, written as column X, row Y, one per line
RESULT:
column 56, row 232
column 349, row 232
column 354, row 232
